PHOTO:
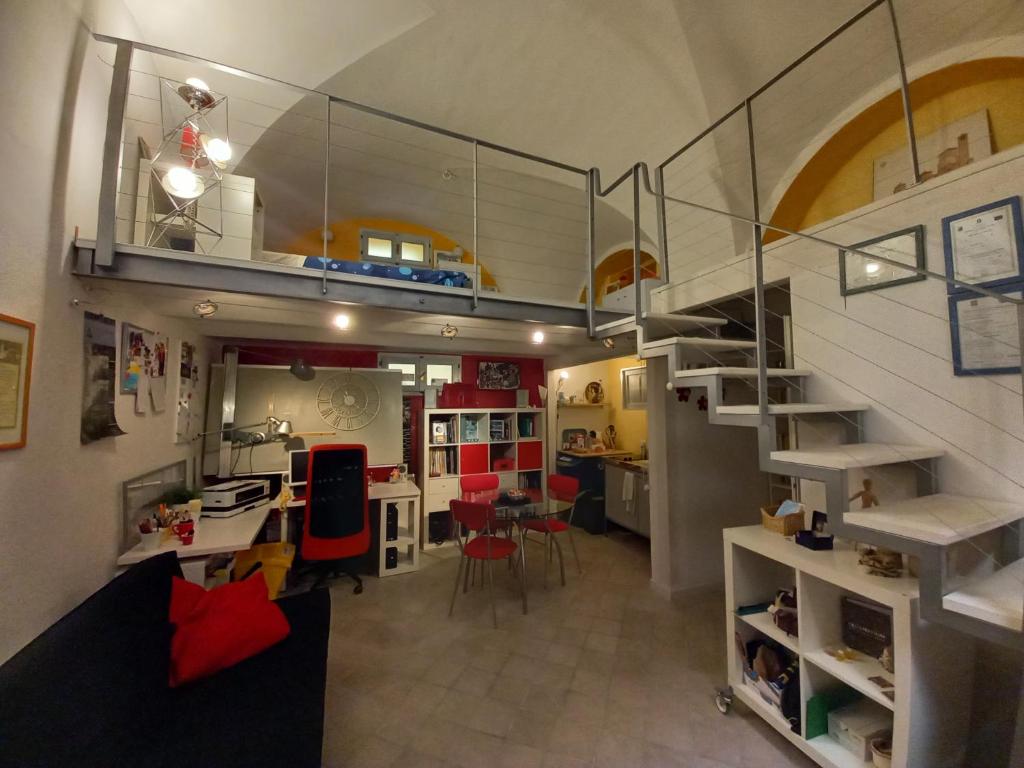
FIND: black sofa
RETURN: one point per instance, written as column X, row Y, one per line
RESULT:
column 92, row 690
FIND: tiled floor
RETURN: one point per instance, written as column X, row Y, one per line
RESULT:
column 601, row 673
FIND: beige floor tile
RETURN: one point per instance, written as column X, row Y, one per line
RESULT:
column 475, row 681
column 602, row 643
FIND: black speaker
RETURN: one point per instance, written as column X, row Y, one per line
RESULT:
column 391, row 523
column 391, row 558
column 439, row 527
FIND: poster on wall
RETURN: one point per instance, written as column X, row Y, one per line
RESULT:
column 133, row 352
column 985, row 245
column 156, row 372
column 985, row 334
column 952, row 146
column 16, row 340
column 497, row 375
column 99, row 387
column 187, row 421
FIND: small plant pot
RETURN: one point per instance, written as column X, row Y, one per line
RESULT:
column 151, row 541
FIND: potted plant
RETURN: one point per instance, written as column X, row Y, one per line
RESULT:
column 184, row 502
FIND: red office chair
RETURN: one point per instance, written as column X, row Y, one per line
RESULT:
column 485, row 547
column 565, row 489
column 336, row 528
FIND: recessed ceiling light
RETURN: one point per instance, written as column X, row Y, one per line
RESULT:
column 205, row 308
column 341, row 321
column 538, row 337
column 609, row 342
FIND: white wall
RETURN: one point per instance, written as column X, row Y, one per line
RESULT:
column 891, row 348
column 60, row 514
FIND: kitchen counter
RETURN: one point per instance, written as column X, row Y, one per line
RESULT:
column 632, row 465
column 597, row 454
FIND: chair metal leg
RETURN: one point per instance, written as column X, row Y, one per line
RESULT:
column 561, row 562
column 522, row 554
column 465, row 583
column 458, row 578
column 547, row 557
column 576, row 557
column 490, row 584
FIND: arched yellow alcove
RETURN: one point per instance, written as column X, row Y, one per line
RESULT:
column 616, row 271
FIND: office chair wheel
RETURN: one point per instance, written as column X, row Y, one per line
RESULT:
column 723, row 700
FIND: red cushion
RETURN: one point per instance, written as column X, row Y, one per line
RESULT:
column 499, row 548
column 546, row 526
column 219, row 628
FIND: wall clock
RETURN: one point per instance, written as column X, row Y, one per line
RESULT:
column 348, row 401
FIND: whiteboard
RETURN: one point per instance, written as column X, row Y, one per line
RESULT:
column 270, row 390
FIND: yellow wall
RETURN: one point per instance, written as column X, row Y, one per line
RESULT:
column 631, row 425
column 345, row 245
column 839, row 178
column 617, row 269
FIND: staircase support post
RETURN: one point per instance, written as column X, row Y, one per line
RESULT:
column 591, row 251
column 638, row 295
column 759, row 308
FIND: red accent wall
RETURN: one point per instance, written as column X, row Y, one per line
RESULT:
column 531, row 375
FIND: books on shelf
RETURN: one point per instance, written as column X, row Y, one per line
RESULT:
column 443, row 461
column 527, row 426
column 443, row 430
column 501, row 429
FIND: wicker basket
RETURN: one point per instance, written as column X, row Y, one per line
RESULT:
column 787, row 526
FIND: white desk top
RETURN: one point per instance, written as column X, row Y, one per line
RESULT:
column 215, row 535
column 400, row 490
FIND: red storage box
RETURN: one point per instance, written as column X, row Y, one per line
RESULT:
column 530, row 454
column 473, row 459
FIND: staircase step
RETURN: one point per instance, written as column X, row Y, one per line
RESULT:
column 740, row 373
column 857, row 455
column 794, row 409
column 937, row 519
column 996, row 599
column 692, row 342
column 660, row 324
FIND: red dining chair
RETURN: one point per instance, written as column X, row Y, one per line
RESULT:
column 477, row 483
column 565, row 489
column 485, row 546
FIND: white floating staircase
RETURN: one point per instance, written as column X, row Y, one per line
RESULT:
column 989, row 602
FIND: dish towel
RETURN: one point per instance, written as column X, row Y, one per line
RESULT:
column 628, row 488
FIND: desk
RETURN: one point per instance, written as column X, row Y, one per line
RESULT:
column 404, row 497
column 214, row 536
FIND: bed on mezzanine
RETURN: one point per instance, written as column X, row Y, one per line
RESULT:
column 449, row 278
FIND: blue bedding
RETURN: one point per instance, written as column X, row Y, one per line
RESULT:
column 412, row 274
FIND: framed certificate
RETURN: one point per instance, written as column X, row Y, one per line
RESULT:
column 858, row 274
column 984, row 246
column 16, row 339
column 986, row 333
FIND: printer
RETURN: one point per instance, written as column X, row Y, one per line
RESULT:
column 234, row 497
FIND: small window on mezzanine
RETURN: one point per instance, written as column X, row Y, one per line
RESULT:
column 419, row 371
column 395, row 247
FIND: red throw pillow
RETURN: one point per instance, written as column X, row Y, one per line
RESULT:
column 219, row 628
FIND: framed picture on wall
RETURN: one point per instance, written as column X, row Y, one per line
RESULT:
column 497, row 375
column 16, row 340
column 859, row 274
column 985, row 333
column 985, row 245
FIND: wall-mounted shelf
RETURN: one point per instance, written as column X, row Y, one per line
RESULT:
column 583, row 405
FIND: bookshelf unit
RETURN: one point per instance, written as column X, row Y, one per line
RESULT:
column 929, row 721
column 457, row 442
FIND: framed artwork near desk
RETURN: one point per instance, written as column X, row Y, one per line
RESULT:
column 16, row 341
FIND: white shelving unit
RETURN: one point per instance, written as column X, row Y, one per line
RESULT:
column 508, row 442
column 929, row 720
column 404, row 499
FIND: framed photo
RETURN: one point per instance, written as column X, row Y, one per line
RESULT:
column 858, row 274
column 497, row 375
column 16, row 340
column 985, row 333
column 985, row 245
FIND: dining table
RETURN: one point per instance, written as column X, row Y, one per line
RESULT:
column 513, row 507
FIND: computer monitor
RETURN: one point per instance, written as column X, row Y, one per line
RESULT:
column 298, row 467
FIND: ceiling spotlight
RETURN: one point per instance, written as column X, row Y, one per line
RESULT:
column 872, row 267
column 563, row 375
column 205, row 308
column 183, row 183
column 301, row 371
column 449, row 331
column 218, row 150
column 609, row 342
column 341, row 321
column 538, row 337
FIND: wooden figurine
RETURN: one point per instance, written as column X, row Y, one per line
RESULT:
column 867, row 496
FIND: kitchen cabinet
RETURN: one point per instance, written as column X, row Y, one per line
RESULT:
column 627, row 495
column 634, row 388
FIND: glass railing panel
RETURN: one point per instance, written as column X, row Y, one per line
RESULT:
column 531, row 228
column 400, row 200
column 220, row 165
